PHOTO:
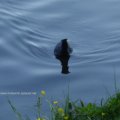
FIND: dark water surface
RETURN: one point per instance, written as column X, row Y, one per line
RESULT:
column 29, row 30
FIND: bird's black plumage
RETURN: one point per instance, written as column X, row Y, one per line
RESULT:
column 62, row 52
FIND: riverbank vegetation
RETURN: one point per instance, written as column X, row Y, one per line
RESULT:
column 69, row 110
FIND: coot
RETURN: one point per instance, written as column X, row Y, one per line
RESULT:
column 62, row 52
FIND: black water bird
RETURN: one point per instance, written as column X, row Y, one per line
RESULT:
column 62, row 52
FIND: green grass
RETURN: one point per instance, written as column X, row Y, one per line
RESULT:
column 69, row 110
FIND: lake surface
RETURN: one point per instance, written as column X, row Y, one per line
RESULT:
column 29, row 31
